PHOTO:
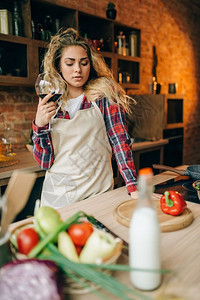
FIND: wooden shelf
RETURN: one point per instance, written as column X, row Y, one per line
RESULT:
column 28, row 63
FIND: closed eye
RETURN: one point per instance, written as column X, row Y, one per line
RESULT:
column 84, row 63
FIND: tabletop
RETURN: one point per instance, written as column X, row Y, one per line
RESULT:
column 26, row 162
column 180, row 249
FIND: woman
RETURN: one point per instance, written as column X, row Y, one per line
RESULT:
column 86, row 129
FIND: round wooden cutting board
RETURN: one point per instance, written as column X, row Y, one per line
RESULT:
column 123, row 213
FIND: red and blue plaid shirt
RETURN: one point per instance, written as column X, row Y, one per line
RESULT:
column 114, row 118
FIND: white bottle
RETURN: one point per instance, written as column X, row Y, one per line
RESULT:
column 144, row 240
column 121, row 43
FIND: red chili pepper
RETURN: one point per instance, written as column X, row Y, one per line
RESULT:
column 172, row 203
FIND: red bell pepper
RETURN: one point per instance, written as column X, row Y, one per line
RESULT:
column 172, row 203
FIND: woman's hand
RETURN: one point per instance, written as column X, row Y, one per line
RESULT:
column 45, row 111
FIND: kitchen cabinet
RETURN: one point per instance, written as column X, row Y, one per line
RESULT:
column 22, row 60
column 173, row 129
column 156, row 117
column 173, row 111
column 145, row 154
column 27, row 52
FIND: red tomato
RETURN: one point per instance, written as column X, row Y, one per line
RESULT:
column 27, row 239
column 79, row 233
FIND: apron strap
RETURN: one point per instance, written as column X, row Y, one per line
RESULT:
column 98, row 110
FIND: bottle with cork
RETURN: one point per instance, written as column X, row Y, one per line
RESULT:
column 17, row 19
column 121, row 43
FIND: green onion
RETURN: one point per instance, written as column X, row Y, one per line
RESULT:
column 86, row 285
column 98, row 278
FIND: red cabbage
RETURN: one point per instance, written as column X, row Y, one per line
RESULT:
column 31, row 279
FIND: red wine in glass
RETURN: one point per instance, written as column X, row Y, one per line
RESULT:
column 54, row 98
column 43, row 87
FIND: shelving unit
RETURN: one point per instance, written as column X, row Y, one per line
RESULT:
column 27, row 53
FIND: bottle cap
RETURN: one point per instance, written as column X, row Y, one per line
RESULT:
column 145, row 171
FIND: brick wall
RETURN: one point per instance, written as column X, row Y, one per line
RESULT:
column 174, row 28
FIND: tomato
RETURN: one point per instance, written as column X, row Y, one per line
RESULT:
column 27, row 239
column 80, row 232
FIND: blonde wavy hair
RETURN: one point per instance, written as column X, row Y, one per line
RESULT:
column 100, row 83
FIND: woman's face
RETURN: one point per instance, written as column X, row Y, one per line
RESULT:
column 75, row 67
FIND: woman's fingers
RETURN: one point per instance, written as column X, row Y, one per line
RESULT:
column 46, row 110
column 46, row 98
column 134, row 195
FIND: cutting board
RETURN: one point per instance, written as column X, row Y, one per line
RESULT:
column 123, row 213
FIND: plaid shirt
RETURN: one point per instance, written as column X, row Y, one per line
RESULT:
column 119, row 139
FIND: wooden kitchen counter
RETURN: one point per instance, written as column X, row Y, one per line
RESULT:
column 149, row 144
column 26, row 162
column 180, row 249
column 142, row 152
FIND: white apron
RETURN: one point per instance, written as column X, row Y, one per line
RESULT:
column 82, row 166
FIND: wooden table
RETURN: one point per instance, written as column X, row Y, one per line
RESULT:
column 180, row 249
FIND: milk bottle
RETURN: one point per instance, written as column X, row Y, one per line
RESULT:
column 144, row 240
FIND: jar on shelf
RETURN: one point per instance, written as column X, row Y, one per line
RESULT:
column 121, row 43
column 6, row 22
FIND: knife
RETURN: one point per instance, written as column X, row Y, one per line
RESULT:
column 101, row 226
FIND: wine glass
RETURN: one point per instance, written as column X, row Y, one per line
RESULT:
column 44, row 86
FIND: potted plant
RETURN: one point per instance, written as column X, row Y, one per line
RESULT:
column 111, row 11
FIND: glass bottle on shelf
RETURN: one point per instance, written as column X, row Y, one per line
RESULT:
column 17, row 20
column 48, row 28
column 33, row 29
column 57, row 25
column 154, row 85
column 144, row 240
column 121, row 43
column 133, row 43
column 39, row 32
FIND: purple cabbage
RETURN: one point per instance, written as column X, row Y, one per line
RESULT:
column 31, row 279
